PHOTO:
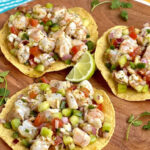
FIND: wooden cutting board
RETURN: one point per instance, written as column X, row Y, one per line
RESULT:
column 105, row 18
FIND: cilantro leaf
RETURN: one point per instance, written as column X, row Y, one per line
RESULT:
column 124, row 15
column 4, row 74
column 94, row 2
column 147, row 127
column 145, row 114
column 126, row 5
column 131, row 118
column 137, row 123
column 1, row 80
column 115, row 4
column 2, row 92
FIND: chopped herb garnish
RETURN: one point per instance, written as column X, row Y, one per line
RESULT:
column 108, row 65
column 91, row 107
column 25, row 36
column 113, row 67
column 148, row 30
column 33, row 113
column 27, row 130
column 126, row 5
column 90, row 45
column 15, row 135
column 26, row 143
column 88, row 36
column 68, row 62
column 136, row 122
column 7, row 125
column 115, row 4
column 24, row 100
column 124, row 15
column 132, row 65
column 141, row 65
column 112, row 47
column 55, row 56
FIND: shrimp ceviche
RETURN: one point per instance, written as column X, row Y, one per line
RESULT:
column 41, row 36
column 128, row 58
column 58, row 115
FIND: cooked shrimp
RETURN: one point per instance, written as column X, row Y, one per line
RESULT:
column 81, row 33
column 95, row 117
column 71, row 29
column 80, row 137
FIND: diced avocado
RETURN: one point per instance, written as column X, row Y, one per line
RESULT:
column 43, row 106
column 67, row 140
column 113, row 67
column 125, row 32
column 106, row 127
column 44, row 87
column 122, row 61
column 15, row 123
column 40, row 68
column 98, row 98
column 49, row 5
column 11, row 18
column 74, row 120
column 67, row 112
column 139, row 88
column 46, row 132
column 57, row 115
column 145, row 88
column 93, row 138
column 122, row 88
column 68, row 61
column 77, row 113
column 62, row 92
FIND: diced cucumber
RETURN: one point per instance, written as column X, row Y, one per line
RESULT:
column 43, row 106
column 122, row 88
column 46, row 132
column 77, row 113
column 55, row 27
column 44, row 87
column 74, row 120
column 26, row 143
column 15, row 123
column 93, row 138
column 122, row 61
column 67, row 112
column 106, row 127
column 63, row 105
column 62, row 92
column 40, row 68
column 98, row 98
column 125, row 31
column 139, row 88
column 71, row 146
column 67, row 140
column 145, row 88
column 57, row 115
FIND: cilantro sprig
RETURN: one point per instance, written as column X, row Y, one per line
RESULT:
column 136, row 122
column 4, row 92
column 114, row 4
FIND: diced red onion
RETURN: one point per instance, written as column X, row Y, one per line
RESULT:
column 65, row 120
column 15, row 141
column 66, row 57
column 144, row 60
column 51, row 54
column 94, row 131
column 25, row 42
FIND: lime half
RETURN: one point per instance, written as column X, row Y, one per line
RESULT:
column 83, row 70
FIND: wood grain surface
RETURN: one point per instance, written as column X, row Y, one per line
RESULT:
column 105, row 18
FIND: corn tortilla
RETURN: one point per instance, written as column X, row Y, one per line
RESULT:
column 58, row 65
column 130, row 94
column 108, row 110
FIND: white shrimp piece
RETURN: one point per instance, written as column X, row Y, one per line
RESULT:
column 130, row 70
column 45, row 59
column 113, row 56
column 77, row 20
column 63, row 45
column 39, row 11
column 82, row 50
column 95, row 117
column 36, row 34
column 21, row 110
column 41, row 143
column 87, row 85
column 115, row 34
column 81, row 33
column 71, row 101
column 66, row 129
column 76, row 42
column 54, row 99
column 27, row 130
column 58, row 13
column 23, row 53
column 47, row 44
column 87, row 128
column 34, row 88
column 71, row 29
column 147, row 53
column 60, row 84
column 20, row 22
column 80, row 137
column 128, row 45
column 12, row 37
column 121, row 77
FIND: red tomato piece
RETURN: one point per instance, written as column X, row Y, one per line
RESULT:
column 45, row 19
column 32, row 94
column 35, row 51
column 33, row 22
column 54, row 90
column 136, row 52
column 148, row 79
column 75, row 49
column 85, row 91
column 39, row 120
column 14, row 30
column 44, row 80
column 60, row 124
column 100, row 107
column 132, row 32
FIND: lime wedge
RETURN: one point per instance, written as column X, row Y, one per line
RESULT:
column 83, row 70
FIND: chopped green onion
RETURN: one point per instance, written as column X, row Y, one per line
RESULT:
column 68, row 62
column 42, row 23
column 27, row 130
column 7, row 125
column 148, row 30
column 90, row 45
column 25, row 36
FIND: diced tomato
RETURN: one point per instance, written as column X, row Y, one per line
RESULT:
column 148, row 79
column 35, row 51
column 75, row 49
column 100, row 107
column 58, row 140
column 32, row 94
column 33, row 22
column 45, row 19
column 32, row 62
column 54, row 90
column 132, row 32
column 60, row 124
column 136, row 52
column 73, row 87
column 39, row 120
column 85, row 91
column 14, row 30
column 44, row 80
